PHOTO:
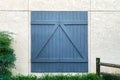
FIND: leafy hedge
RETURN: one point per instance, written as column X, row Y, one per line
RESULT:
column 64, row 77
column 7, row 56
column 107, row 77
column 59, row 77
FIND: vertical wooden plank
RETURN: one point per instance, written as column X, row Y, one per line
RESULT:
column 98, row 66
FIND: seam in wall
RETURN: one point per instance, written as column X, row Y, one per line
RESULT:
column 89, row 53
column 15, row 10
column 104, row 10
column 29, row 40
column 87, row 10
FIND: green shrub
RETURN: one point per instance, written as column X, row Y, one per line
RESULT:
column 59, row 77
column 7, row 56
column 91, row 77
column 64, row 77
column 22, row 77
column 107, row 77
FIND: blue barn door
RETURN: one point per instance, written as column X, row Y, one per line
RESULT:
column 59, row 41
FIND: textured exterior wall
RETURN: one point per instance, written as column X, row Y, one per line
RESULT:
column 103, row 27
column 17, row 22
column 59, row 5
column 105, row 37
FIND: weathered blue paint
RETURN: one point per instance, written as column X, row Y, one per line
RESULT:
column 59, row 41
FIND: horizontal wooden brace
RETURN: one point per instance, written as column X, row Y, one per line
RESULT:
column 37, row 22
column 58, row 60
column 110, row 65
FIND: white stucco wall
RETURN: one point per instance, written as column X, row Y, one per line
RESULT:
column 105, row 37
column 103, row 27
